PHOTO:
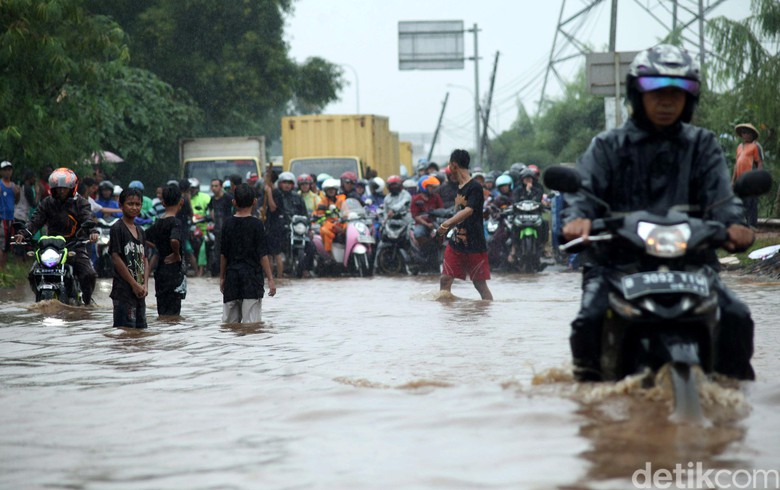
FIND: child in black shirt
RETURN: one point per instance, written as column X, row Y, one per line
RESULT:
column 131, row 268
column 243, row 260
column 166, row 235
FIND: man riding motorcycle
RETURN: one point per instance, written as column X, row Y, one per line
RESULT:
column 63, row 213
column 656, row 160
column 398, row 199
column 290, row 204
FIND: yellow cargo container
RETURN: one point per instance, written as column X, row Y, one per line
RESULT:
column 405, row 154
column 334, row 144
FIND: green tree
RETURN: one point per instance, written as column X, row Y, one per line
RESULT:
column 67, row 92
column 229, row 56
column 48, row 49
column 560, row 133
column 748, row 59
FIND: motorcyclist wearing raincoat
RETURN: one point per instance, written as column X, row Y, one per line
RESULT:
column 657, row 160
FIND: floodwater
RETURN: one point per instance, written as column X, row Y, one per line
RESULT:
column 352, row 383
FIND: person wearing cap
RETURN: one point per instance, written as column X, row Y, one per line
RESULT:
column 656, row 161
column 9, row 196
column 750, row 156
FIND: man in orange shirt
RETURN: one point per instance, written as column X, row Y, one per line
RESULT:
column 750, row 156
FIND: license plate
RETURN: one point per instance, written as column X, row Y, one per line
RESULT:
column 646, row 283
column 366, row 239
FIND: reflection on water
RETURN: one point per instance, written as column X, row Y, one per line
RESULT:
column 352, row 383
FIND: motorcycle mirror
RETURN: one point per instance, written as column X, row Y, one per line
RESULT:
column 562, row 179
column 30, row 253
column 754, row 183
column 71, row 254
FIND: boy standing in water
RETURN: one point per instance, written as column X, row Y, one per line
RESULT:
column 131, row 268
column 466, row 253
column 166, row 235
column 243, row 260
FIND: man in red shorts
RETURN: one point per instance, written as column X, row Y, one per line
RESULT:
column 466, row 252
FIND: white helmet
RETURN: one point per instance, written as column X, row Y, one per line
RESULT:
column 287, row 177
column 331, row 184
column 379, row 184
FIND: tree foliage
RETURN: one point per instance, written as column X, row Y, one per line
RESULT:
column 560, row 133
column 748, row 59
column 230, row 57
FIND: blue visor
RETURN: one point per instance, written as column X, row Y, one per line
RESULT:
column 647, row 84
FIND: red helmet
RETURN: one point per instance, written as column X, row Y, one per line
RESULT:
column 305, row 179
column 395, row 179
column 351, row 176
column 534, row 169
column 63, row 177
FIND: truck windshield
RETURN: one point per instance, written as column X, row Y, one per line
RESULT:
column 206, row 170
column 331, row 166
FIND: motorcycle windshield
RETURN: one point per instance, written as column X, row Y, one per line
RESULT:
column 352, row 205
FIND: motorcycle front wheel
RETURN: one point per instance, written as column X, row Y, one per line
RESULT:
column 361, row 265
column 390, row 261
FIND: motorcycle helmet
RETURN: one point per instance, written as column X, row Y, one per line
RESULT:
column 527, row 173
column 535, row 169
column 304, row 179
column 377, row 185
column 174, row 182
column 348, row 177
column 427, row 182
column 410, row 185
column 136, row 184
column 362, row 182
column 331, row 184
column 663, row 66
column 518, row 167
column 194, row 183
column 286, row 177
column 63, row 177
column 117, row 189
column 505, row 180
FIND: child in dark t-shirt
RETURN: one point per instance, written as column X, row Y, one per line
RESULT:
column 243, row 261
column 131, row 268
column 166, row 236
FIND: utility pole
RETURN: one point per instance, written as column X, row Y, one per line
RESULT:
column 486, row 113
column 438, row 126
column 477, row 147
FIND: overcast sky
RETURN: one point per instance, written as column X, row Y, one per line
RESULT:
column 364, row 35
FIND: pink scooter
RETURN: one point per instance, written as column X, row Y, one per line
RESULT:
column 352, row 249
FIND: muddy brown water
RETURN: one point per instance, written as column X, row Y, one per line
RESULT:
column 354, row 383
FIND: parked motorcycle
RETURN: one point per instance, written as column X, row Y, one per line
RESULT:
column 663, row 302
column 352, row 249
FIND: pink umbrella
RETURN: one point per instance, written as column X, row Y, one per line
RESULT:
column 106, row 156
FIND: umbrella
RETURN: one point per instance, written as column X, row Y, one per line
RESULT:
column 106, row 156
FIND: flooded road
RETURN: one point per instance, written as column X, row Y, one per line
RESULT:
column 353, row 383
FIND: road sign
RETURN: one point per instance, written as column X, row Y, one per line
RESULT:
column 600, row 69
column 430, row 45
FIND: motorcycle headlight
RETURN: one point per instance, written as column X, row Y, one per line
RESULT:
column 361, row 227
column 50, row 258
column 492, row 226
column 299, row 228
column 664, row 241
column 527, row 206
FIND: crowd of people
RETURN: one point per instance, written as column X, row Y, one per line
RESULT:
column 628, row 168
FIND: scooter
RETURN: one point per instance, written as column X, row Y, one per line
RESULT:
column 392, row 253
column 104, row 265
column 351, row 249
column 526, row 227
column 663, row 302
column 428, row 254
column 51, row 277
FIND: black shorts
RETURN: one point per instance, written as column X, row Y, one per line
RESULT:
column 274, row 240
column 130, row 313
